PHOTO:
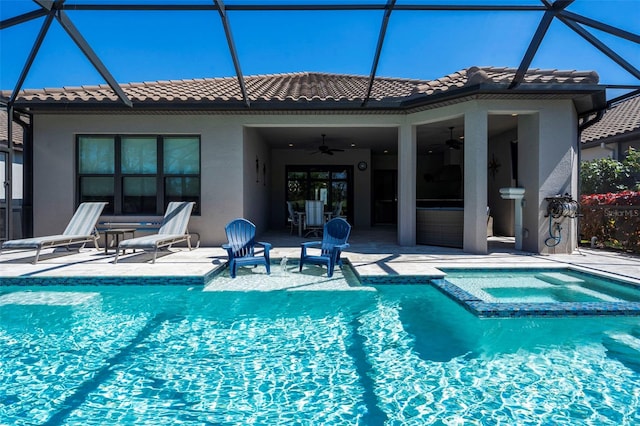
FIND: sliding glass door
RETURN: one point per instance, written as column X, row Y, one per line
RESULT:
column 331, row 184
column 4, row 194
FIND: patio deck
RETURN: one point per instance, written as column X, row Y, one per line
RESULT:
column 373, row 253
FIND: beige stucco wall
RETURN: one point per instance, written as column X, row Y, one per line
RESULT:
column 222, row 193
column 230, row 145
column 256, row 202
column 547, row 134
column 548, row 167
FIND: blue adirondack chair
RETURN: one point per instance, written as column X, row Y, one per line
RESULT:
column 241, row 235
column 334, row 241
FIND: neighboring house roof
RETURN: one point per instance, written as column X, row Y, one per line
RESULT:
column 17, row 130
column 330, row 90
column 619, row 123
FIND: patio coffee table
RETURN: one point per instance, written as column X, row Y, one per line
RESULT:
column 117, row 235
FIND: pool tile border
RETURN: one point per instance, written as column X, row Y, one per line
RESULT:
column 484, row 309
column 102, row 280
column 514, row 310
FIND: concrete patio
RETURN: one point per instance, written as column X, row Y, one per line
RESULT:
column 373, row 253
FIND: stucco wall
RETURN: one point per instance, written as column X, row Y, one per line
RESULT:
column 256, row 183
column 221, row 165
column 548, row 167
column 230, row 145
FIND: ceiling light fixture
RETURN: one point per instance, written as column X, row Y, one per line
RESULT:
column 451, row 142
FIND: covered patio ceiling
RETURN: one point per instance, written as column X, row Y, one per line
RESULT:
column 380, row 140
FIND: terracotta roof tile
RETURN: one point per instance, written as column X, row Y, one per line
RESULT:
column 298, row 87
column 621, row 118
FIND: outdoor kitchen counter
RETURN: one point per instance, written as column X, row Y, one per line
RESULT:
column 440, row 226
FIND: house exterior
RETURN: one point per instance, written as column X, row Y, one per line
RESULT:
column 426, row 156
column 615, row 132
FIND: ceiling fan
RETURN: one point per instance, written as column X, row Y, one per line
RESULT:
column 324, row 149
column 451, row 142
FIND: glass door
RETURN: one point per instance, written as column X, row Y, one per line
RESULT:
column 4, row 193
column 331, row 184
column 385, row 197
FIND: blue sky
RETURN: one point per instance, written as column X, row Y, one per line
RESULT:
column 148, row 46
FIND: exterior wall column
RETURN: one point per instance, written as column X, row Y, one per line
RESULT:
column 475, row 181
column 548, row 166
column 407, row 151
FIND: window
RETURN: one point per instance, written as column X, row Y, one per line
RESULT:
column 138, row 174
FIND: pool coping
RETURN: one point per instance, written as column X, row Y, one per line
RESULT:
column 428, row 274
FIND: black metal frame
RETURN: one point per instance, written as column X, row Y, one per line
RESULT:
column 56, row 9
column 552, row 9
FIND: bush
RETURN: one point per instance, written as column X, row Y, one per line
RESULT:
column 613, row 218
column 608, row 175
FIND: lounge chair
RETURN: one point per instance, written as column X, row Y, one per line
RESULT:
column 173, row 230
column 80, row 230
column 334, row 241
column 241, row 247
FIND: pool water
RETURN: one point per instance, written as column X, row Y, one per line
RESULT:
column 541, row 286
column 393, row 354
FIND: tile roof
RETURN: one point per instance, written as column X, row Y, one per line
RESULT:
column 297, row 87
column 17, row 130
column 620, row 119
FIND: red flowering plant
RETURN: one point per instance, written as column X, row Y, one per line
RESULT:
column 613, row 218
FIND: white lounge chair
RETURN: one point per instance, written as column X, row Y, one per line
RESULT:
column 173, row 230
column 80, row 230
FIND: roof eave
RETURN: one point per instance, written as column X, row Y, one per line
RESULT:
column 630, row 136
column 587, row 98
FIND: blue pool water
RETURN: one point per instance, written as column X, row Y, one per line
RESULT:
column 540, row 292
column 394, row 354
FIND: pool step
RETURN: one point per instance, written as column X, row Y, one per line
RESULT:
column 558, row 278
column 625, row 348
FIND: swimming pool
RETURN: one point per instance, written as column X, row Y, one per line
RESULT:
column 389, row 354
